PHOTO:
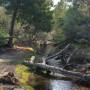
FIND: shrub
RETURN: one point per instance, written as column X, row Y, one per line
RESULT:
column 3, row 37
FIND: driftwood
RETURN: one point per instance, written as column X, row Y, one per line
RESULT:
column 10, row 79
column 64, row 55
column 59, row 52
column 61, row 71
column 71, row 55
column 70, row 74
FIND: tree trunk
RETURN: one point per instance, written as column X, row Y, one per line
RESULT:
column 11, row 31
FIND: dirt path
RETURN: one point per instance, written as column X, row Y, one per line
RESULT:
column 11, row 56
column 7, row 63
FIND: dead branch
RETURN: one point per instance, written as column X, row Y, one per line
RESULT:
column 59, row 52
column 66, row 73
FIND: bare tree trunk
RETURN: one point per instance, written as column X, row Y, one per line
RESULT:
column 11, row 31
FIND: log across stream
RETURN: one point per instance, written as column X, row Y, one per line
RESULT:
column 60, row 71
column 57, row 70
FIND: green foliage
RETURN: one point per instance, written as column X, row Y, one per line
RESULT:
column 39, row 15
column 29, row 13
column 24, row 76
column 72, row 22
column 58, row 14
column 22, row 71
column 58, row 36
column 3, row 37
column 75, row 25
column 4, row 18
column 59, row 10
column 36, row 12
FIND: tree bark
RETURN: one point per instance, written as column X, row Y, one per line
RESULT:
column 69, row 74
column 11, row 31
column 57, row 54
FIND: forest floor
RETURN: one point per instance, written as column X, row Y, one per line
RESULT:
column 8, row 60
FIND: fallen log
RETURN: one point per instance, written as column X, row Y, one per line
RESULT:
column 70, row 74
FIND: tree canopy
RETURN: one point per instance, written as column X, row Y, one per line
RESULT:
column 29, row 12
column 75, row 22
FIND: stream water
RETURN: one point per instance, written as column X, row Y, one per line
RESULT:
column 54, row 84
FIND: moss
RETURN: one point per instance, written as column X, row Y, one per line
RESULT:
column 23, row 73
column 24, row 76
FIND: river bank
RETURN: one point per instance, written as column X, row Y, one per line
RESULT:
column 33, row 81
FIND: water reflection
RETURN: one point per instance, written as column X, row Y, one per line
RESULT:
column 37, row 82
column 61, row 85
column 41, row 83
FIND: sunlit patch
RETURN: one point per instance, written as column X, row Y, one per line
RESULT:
column 24, row 48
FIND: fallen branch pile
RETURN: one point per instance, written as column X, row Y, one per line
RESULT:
column 60, row 70
column 70, row 74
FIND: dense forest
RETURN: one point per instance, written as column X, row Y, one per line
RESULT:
column 32, row 21
column 53, row 36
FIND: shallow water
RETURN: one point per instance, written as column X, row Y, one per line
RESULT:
column 61, row 85
column 52, row 84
